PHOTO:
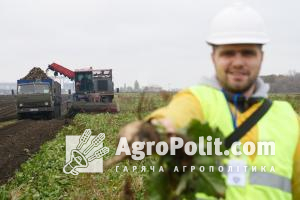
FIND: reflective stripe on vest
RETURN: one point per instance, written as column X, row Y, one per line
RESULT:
column 270, row 180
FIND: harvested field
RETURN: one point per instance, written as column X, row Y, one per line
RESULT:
column 7, row 107
column 22, row 139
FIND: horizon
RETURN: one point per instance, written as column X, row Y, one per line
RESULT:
column 68, row 82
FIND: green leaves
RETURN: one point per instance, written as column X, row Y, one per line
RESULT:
column 196, row 129
column 197, row 174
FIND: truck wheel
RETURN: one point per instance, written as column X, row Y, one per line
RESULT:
column 51, row 115
column 20, row 116
column 57, row 111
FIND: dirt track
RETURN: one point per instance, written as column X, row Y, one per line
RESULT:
column 18, row 141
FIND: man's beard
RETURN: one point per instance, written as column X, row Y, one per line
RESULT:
column 244, row 89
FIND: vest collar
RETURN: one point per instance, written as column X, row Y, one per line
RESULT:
column 240, row 101
column 261, row 91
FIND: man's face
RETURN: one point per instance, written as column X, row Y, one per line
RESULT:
column 237, row 66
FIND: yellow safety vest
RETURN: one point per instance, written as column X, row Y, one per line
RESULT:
column 279, row 124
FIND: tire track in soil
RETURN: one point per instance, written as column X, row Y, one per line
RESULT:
column 16, row 138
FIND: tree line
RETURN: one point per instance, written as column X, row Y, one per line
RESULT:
column 283, row 83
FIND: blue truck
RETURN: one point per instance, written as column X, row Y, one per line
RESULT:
column 38, row 97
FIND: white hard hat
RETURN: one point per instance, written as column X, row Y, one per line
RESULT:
column 237, row 24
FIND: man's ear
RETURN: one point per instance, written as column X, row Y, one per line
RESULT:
column 212, row 55
column 262, row 55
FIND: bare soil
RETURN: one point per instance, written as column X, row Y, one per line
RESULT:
column 20, row 140
column 7, row 107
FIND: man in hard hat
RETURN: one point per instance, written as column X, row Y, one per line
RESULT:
column 237, row 35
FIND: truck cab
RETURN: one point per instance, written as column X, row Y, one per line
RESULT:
column 84, row 82
column 38, row 97
column 94, row 85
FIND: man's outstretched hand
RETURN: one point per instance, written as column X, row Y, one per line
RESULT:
column 142, row 131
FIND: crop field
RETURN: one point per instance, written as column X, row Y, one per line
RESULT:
column 41, row 175
column 7, row 107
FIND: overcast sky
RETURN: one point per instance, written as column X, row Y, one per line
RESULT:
column 155, row 41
